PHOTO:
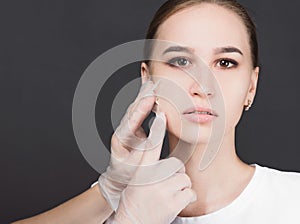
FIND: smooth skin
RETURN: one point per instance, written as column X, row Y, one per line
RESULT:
column 205, row 28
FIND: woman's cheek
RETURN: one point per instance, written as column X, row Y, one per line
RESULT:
column 172, row 116
column 234, row 99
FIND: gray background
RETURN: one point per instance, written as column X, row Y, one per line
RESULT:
column 45, row 47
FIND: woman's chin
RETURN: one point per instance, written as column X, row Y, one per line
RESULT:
column 202, row 138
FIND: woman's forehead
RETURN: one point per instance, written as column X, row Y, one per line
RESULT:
column 205, row 27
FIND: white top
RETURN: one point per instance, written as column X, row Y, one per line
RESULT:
column 271, row 196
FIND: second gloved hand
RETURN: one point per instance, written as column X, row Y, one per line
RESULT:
column 158, row 202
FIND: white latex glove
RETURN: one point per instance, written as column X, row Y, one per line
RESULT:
column 128, row 136
column 157, row 203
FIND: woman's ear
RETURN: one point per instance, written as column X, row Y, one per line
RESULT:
column 253, row 85
column 145, row 73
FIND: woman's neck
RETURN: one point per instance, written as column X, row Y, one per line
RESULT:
column 221, row 182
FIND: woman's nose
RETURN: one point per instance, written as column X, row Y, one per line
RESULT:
column 201, row 90
column 202, row 80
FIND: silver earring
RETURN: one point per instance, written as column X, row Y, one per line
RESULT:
column 249, row 105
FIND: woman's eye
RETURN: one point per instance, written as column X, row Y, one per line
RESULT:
column 179, row 62
column 227, row 63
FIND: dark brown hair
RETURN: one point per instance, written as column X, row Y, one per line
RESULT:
column 170, row 7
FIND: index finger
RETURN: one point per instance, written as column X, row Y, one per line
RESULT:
column 135, row 115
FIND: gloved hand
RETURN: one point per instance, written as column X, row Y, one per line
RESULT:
column 130, row 146
column 157, row 203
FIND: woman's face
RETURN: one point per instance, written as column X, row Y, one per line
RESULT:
column 219, row 38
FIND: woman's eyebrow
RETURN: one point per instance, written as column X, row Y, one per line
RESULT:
column 227, row 50
column 220, row 50
column 179, row 49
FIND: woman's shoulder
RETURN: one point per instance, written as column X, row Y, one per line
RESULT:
column 278, row 190
column 279, row 173
column 280, row 179
column 277, row 193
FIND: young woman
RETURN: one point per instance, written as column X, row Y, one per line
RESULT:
column 222, row 34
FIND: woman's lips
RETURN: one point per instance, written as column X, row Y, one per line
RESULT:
column 199, row 118
column 199, row 114
column 200, row 109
